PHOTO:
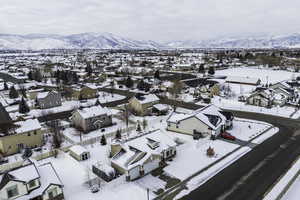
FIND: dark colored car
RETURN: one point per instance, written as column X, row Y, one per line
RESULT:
column 227, row 136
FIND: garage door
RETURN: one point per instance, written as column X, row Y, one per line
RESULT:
column 148, row 167
column 134, row 173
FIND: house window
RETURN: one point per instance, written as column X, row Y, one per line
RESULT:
column 52, row 193
column 31, row 184
column 12, row 191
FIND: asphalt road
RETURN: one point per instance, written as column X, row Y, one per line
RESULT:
column 251, row 176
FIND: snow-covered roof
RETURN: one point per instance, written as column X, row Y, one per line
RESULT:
column 42, row 95
column 93, row 111
column 26, row 174
column 239, row 79
column 138, row 146
column 161, row 107
column 204, row 114
column 148, row 98
column 28, row 125
column 77, row 149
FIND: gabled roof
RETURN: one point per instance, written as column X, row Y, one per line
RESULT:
column 209, row 115
column 93, row 111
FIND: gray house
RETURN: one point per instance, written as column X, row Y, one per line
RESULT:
column 50, row 99
column 92, row 118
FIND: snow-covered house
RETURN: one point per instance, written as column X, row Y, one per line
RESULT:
column 31, row 182
column 26, row 133
column 142, row 155
column 79, row 153
column 92, row 118
column 209, row 120
column 142, row 105
column 50, row 99
column 267, row 97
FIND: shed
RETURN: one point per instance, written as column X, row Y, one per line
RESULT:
column 104, row 171
column 79, row 153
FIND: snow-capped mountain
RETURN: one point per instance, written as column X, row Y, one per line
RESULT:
column 255, row 41
column 111, row 41
column 75, row 41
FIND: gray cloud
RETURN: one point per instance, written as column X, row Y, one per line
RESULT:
column 150, row 19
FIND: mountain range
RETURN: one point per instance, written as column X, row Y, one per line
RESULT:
column 111, row 41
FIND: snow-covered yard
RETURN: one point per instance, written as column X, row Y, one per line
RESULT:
column 247, row 129
column 286, row 111
column 264, row 74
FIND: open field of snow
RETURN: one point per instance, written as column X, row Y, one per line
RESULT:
column 288, row 112
column 265, row 75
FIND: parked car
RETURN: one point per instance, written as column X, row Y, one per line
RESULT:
column 227, row 136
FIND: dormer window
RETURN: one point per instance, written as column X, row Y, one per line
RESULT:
column 31, row 184
column 152, row 144
column 12, row 191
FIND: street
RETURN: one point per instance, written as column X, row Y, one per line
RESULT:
column 252, row 175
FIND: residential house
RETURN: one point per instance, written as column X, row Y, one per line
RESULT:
column 206, row 121
column 140, row 156
column 47, row 100
column 142, row 105
column 92, row 118
column 31, row 182
column 267, row 97
column 26, row 133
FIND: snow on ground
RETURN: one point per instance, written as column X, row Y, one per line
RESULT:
column 265, row 136
column 293, row 191
column 74, row 174
column 193, row 155
column 263, row 74
column 212, row 171
column 74, row 134
column 247, row 129
column 151, row 182
column 288, row 112
column 105, row 97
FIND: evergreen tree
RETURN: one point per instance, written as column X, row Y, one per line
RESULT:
column 202, row 69
column 103, row 140
column 97, row 103
column 145, row 124
column 157, row 74
column 38, row 76
column 5, row 86
column 118, row 134
column 13, row 93
column 129, row 82
column 211, row 70
column 30, row 75
column 138, row 128
column 23, row 107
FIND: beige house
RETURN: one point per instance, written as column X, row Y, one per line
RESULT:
column 27, row 133
column 207, row 121
column 31, row 182
column 142, row 105
column 92, row 118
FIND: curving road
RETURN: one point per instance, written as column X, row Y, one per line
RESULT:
column 251, row 176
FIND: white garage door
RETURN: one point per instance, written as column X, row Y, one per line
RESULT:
column 134, row 173
column 148, row 167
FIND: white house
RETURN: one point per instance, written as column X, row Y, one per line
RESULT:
column 79, row 152
column 142, row 155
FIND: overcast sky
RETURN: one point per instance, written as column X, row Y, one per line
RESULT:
column 160, row 20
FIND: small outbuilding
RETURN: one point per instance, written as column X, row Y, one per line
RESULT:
column 104, row 171
column 79, row 153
